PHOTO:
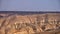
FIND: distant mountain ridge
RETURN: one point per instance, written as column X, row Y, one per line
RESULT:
column 29, row 12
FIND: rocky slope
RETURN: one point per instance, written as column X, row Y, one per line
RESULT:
column 48, row 23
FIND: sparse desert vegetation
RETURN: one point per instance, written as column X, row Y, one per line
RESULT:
column 48, row 23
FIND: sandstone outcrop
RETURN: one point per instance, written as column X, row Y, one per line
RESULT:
column 29, row 24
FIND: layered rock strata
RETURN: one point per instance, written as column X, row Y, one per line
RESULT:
column 29, row 24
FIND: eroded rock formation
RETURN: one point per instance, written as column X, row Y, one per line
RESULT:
column 29, row 24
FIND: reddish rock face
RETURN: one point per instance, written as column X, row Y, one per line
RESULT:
column 29, row 24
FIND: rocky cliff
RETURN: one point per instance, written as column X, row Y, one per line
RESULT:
column 48, row 23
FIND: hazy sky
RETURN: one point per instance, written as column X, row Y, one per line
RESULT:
column 29, row 5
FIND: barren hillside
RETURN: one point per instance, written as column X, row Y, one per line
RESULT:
column 48, row 23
